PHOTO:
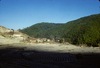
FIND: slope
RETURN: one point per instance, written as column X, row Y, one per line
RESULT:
column 85, row 30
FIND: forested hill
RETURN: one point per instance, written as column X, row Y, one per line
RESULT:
column 85, row 30
column 40, row 30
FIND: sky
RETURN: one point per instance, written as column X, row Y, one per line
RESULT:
column 19, row 14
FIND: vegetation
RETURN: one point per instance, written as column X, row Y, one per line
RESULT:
column 85, row 30
column 41, row 30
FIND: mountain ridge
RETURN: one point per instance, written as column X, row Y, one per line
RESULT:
column 85, row 30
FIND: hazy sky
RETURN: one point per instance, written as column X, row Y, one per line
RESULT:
column 17, row 14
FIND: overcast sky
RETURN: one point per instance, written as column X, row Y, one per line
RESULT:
column 18, row 14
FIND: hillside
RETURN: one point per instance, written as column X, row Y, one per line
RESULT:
column 10, row 36
column 85, row 30
column 41, row 30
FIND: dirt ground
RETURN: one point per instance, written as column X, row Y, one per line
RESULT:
column 48, row 56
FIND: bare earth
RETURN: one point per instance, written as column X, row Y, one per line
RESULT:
column 53, row 47
column 46, row 55
column 62, row 48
